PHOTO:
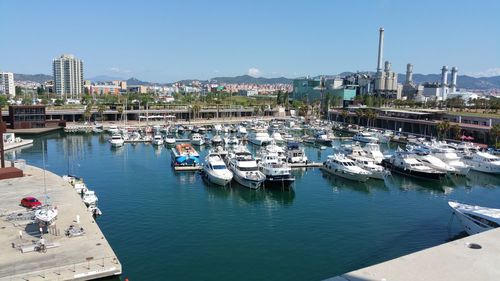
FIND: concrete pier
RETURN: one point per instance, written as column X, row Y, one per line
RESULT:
column 85, row 257
column 459, row 260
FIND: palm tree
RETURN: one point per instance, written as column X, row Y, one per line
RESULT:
column 345, row 115
column 443, row 128
column 495, row 133
column 87, row 114
column 359, row 114
column 456, row 129
column 100, row 109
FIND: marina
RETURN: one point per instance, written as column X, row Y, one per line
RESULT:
column 194, row 215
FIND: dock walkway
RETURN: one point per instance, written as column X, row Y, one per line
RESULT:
column 80, row 258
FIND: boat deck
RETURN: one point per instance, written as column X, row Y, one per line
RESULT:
column 79, row 258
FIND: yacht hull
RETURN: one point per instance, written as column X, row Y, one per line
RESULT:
column 437, row 176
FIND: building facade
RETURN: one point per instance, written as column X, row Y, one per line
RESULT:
column 7, row 86
column 27, row 116
column 68, row 76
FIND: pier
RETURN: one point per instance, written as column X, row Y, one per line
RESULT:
column 85, row 257
column 471, row 258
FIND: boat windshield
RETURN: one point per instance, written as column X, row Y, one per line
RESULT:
column 219, row 167
column 483, row 221
column 248, row 169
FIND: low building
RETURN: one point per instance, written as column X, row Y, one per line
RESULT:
column 347, row 94
column 27, row 116
column 248, row 93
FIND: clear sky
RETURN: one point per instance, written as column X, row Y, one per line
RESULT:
column 165, row 41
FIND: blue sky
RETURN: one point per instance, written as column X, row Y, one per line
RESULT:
column 165, row 41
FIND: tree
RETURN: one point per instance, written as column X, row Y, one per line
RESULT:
column 495, row 133
column 87, row 114
column 359, row 114
column 443, row 128
column 19, row 91
column 345, row 115
column 456, row 129
column 100, row 109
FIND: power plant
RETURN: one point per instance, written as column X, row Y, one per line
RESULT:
column 386, row 80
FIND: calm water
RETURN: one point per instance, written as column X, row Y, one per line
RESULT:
column 173, row 226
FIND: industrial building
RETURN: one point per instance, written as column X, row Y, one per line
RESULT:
column 312, row 89
column 440, row 90
column 386, row 80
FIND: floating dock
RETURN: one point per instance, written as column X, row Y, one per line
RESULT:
column 16, row 144
column 187, row 168
column 306, row 165
column 85, row 257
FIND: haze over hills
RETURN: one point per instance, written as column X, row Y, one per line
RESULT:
column 464, row 81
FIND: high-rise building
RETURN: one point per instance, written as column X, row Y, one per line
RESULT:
column 68, row 76
column 7, row 86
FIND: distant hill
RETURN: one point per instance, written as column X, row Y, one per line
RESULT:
column 136, row 82
column 38, row 78
column 463, row 81
column 103, row 78
column 247, row 79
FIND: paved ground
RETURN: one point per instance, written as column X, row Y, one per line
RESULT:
column 78, row 258
column 451, row 261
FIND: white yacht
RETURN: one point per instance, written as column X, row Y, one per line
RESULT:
column 405, row 163
column 215, row 170
column 170, row 139
column 116, row 140
column 113, row 129
column 216, row 140
column 277, row 137
column 295, row 154
column 157, row 140
column 476, row 219
column 274, row 148
column 245, row 169
column 197, row 139
column 231, row 140
column 242, row 131
column 89, row 198
column 364, row 137
column 450, row 157
column 483, row 162
column 377, row 171
column 372, row 150
column 344, row 167
column 277, row 172
column 259, row 137
column 432, row 161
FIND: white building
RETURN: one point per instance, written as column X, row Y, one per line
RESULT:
column 248, row 93
column 7, row 86
column 68, row 76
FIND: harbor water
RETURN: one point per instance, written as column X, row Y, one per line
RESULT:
column 174, row 226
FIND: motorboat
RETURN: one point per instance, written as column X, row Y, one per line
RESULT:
column 323, row 139
column 217, row 128
column 377, row 171
column 89, row 198
column 344, row 167
column 94, row 210
column 221, row 151
column 245, row 169
column 406, row 164
column 372, row 150
column 476, row 219
column 483, row 162
column 430, row 160
column 197, row 139
column 76, row 182
column 46, row 214
column 231, row 140
column 450, row 157
column 157, row 140
column 259, row 137
column 113, row 129
column 116, row 140
column 274, row 148
column 202, row 130
column 170, row 139
column 295, row 154
column 241, row 131
column 277, row 172
column 184, row 154
column 365, row 137
column 217, row 140
column 215, row 170
column 277, row 137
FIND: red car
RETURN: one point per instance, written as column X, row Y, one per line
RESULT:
column 30, row 202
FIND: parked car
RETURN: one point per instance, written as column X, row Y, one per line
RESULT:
column 30, row 202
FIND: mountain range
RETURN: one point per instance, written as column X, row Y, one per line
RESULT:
column 463, row 81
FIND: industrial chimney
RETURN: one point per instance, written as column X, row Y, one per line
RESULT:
column 454, row 73
column 444, row 82
column 409, row 73
column 380, row 49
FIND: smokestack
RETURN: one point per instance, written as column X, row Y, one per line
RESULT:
column 409, row 73
column 444, row 82
column 380, row 49
column 454, row 73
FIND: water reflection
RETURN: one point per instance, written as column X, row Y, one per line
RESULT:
column 397, row 181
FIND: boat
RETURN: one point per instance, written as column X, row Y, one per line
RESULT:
column 295, row 154
column 197, row 139
column 94, row 210
column 450, row 157
column 113, row 129
column 89, row 198
column 344, row 167
column 277, row 172
column 372, row 150
column 157, row 140
column 215, row 170
column 406, row 164
column 245, row 169
column 221, row 151
column 365, row 137
column 259, row 136
column 116, row 140
column 476, row 219
column 323, row 139
column 170, row 139
column 277, row 137
column 46, row 214
column 241, row 131
column 483, row 162
column 231, row 140
column 184, row 155
column 424, row 156
column 377, row 171
column 217, row 140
